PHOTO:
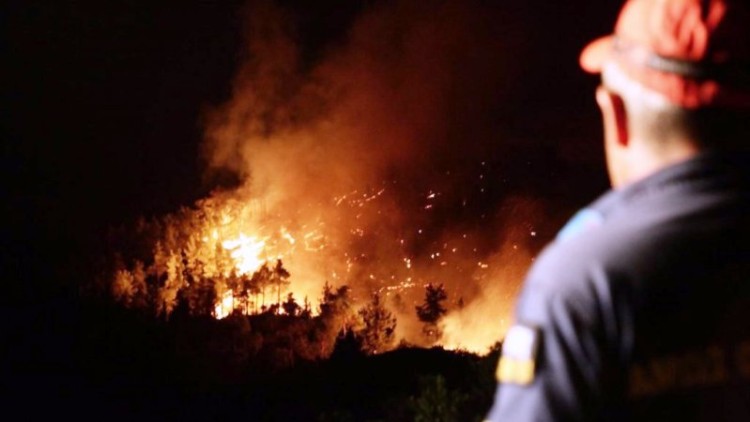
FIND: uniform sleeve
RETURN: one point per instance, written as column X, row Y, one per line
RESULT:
column 567, row 354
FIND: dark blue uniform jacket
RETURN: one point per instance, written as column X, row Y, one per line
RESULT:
column 640, row 309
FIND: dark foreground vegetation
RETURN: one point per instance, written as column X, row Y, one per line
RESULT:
column 98, row 361
column 137, row 339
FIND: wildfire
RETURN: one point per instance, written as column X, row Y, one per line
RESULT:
column 350, row 173
column 257, row 261
column 225, row 306
column 246, row 252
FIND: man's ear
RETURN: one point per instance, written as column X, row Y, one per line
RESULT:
column 615, row 115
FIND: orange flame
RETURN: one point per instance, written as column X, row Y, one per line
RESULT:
column 246, row 252
column 340, row 181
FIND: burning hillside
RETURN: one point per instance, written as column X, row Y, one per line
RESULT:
column 368, row 166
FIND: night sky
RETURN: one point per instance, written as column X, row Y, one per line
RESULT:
column 105, row 103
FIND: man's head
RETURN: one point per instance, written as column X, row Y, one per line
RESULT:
column 675, row 80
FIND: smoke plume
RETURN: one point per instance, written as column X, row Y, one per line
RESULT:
column 378, row 152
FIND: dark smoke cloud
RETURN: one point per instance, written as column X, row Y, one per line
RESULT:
column 419, row 83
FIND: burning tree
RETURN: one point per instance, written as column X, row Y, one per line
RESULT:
column 129, row 287
column 379, row 329
column 431, row 311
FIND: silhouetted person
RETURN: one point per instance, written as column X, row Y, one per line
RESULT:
column 640, row 308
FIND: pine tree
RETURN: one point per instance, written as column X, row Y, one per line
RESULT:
column 279, row 277
column 290, row 306
column 335, row 316
column 260, row 279
column 306, row 309
column 335, row 302
column 431, row 311
column 379, row 329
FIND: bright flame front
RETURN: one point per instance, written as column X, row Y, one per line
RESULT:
column 246, row 252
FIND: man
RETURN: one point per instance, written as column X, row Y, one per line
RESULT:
column 640, row 309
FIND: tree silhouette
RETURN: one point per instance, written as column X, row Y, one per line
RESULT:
column 244, row 288
column 279, row 277
column 335, row 316
column 379, row 326
column 432, row 310
column 335, row 302
column 239, row 298
column 199, row 296
column 306, row 309
column 290, row 306
column 327, row 296
column 261, row 279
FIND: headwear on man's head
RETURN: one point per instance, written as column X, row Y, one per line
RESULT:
column 696, row 53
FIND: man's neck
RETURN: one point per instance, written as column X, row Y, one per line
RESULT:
column 647, row 158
